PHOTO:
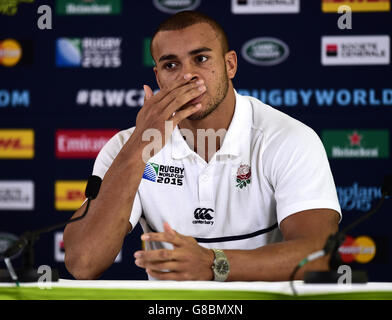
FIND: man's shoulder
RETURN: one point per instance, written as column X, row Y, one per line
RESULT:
column 272, row 122
column 110, row 150
column 115, row 143
column 120, row 138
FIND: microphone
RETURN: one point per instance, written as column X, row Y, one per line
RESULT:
column 93, row 186
column 333, row 243
column 27, row 239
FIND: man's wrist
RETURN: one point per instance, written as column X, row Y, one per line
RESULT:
column 211, row 264
column 221, row 265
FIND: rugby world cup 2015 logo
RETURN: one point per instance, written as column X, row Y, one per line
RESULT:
column 165, row 174
column 151, row 171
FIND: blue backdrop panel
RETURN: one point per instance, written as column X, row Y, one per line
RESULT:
column 39, row 94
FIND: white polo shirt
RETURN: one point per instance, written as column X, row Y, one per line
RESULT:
column 269, row 167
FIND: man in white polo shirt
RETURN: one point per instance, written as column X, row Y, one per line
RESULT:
column 262, row 198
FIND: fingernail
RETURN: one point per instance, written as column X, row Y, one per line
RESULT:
column 145, row 237
column 199, row 81
column 198, row 106
column 138, row 254
column 202, row 88
column 187, row 76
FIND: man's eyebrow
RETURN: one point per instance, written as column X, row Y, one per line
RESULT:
column 191, row 53
column 167, row 57
column 199, row 50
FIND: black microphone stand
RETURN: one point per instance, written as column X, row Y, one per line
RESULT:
column 27, row 273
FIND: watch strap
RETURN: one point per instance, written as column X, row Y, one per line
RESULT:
column 220, row 258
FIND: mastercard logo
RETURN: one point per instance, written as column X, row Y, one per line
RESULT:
column 361, row 249
column 10, row 52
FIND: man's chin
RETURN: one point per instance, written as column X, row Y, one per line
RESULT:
column 202, row 114
column 197, row 116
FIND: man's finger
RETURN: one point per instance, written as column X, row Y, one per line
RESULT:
column 183, row 114
column 168, row 228
column 161, row 275
column 158, row 255
column 148, row 93
column 162, row 237
column 159, row 266
column 178, row 98
column 174, row 85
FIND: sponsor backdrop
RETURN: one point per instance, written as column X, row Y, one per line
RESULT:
column 65, row 90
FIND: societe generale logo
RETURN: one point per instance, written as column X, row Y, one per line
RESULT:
column 355, row 50
column 59, row 250
column 264, row 7
column 69, row 194
column 16, row 144
column 81, row 144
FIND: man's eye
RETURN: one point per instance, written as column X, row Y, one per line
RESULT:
column 201, row 58
column 169, row 65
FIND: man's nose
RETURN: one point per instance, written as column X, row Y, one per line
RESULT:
column 194, row 77
column 188, row 68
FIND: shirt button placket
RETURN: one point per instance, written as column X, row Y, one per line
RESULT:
column 206, row 191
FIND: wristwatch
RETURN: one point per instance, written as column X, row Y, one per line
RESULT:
column 221, row 266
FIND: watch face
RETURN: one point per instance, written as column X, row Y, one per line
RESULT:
column 222, row 267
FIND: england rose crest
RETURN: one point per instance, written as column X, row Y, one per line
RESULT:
column 243, row 176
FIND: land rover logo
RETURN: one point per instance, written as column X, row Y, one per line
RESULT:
column 265, row 51
column 173, row 6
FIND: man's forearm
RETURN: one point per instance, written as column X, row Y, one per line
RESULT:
column 274, row 262
column 92, row 243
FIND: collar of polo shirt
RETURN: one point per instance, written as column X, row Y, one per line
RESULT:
column 238, row 133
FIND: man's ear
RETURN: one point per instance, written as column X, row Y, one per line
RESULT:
column 156, row 77
column 231, row 63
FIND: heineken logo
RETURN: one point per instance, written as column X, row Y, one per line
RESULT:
column 265, row 51
column 174, row 6
column 88, row 7
column 356, row 143
column 164, row 174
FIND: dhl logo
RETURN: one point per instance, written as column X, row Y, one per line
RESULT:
column 357, row 5
column 69, row 194
column 16, row 144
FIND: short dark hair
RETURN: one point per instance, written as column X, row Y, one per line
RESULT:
column 184, row 19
